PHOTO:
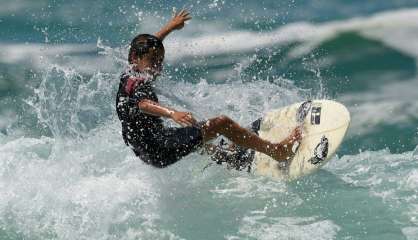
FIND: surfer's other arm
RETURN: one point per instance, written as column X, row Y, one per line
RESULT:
column 153, row 108
column 175, row 23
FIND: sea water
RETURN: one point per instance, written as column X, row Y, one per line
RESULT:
column 65, row 172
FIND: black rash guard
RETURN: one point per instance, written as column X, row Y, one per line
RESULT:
column 145, row 133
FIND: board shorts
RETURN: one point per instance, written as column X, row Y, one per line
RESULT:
column 171, row 145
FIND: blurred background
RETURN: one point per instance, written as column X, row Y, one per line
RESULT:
column 65, row 172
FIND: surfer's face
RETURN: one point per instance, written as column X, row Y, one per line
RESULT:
column 152, row 62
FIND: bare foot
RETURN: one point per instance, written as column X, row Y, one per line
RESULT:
column 283, row 150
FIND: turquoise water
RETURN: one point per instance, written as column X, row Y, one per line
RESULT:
column 65, row 172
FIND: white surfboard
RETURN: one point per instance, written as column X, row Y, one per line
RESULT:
column 324, row 128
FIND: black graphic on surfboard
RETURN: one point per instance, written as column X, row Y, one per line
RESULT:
column 321, row 151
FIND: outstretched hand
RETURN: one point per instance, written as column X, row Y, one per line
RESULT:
column 175, row 23
column 183, row 118
column 178, row 20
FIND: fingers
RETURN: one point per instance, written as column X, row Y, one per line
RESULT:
column 186, row 16
column 184, row 118
column 179, row 19
column 183, row 14
column 191, row 118
column 184, row 123
column 187, row 120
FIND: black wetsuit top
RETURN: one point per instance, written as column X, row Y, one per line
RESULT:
column 137, row 127
column 146, row 134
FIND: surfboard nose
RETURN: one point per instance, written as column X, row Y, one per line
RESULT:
column 325, row 123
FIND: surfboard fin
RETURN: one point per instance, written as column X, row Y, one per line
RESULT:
column 320, row 152
column 302, row 111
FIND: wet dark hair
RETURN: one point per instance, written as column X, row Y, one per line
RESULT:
column 141, row 45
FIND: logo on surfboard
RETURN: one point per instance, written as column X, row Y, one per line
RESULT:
column 320, row 152
column 316, row 115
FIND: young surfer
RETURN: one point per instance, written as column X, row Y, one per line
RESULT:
column 140, row 112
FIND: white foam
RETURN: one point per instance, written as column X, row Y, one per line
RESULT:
column 262, row 228
column 396, row 28
column 77, row 191
column 391, row 104
column 41, row 56
column 244, row 187
column 391, row 177
column 13, row 7
column 411, row 233
column 7, row 117
column 235, row 98
column 70, row 104
column 13, row 53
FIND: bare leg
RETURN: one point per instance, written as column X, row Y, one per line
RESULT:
column 223, row 125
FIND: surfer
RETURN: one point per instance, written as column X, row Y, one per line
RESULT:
column 141, row 114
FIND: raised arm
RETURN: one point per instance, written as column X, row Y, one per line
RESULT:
column 153, row 108
column 176, row 23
